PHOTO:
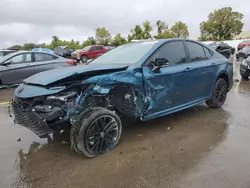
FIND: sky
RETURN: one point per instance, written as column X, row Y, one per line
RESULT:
column 24, row 21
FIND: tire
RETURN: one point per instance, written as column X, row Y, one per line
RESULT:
column 97, row 132
column 219, row 94
column 84, row 59
column 244, row 77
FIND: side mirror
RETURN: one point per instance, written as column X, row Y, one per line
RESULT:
column 158, row 64
column 7, row 63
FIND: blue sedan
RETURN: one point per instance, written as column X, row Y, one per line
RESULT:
column 141, row 80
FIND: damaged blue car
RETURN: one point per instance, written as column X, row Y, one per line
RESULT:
column 141, row 80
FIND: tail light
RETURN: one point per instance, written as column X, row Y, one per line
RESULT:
column 71, row 62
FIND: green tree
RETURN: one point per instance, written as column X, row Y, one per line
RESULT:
column 222, row 24
column 163, row 31
column 147, row 29
column 89, row 41
column 180, row 30
column 103, row 36
column 136, row 33
column 15, row 47
column 29, row 46
column 161, row 26
column 118, row 40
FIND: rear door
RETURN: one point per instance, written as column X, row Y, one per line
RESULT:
column 100, row 50
column 20, row 67
column 201, row 71
column 45, row 61
column 92, row 52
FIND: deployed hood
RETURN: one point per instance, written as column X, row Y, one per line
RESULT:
column 51, row 76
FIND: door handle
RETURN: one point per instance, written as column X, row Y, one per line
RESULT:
column 187, row 69
column 212, row 64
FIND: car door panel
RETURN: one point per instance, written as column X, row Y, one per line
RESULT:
column 17, row 72
column 166, row 89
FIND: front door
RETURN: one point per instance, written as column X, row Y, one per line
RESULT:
column 19, row 68
column 166, row 89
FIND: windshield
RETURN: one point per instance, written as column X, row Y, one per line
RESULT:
column 86, row 48
column 2, row 59
column 125, row 54
column 246, row 49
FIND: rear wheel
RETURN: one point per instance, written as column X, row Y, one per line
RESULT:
column 84, row 59
column 98, row 132
column 219, row 94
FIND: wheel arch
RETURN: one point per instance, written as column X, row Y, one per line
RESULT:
column 224, row 76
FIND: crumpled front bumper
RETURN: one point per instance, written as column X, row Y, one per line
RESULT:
column 28, row 118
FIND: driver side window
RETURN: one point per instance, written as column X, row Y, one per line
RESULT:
column 173, row 52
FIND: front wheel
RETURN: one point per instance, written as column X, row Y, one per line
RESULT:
column 98, row 132
column 219, row 94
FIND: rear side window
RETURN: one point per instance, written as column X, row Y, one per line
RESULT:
column 43, row 57
column 208, row 53
column 174, row 52
column 196, row 51
column 99, row 48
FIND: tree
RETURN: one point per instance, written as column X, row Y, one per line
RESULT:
column 136, row 33
column 15, row 47
column 103, row 36
column 222, row 24
column 180, row 30
column 161, row 26
column 147, row 29
column 163, row 31
column 118, row 40
column 89, row 41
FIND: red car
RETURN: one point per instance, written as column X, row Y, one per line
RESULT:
column 243, row 44
column 89, row 52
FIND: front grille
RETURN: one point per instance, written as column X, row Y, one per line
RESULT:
column 30, row 119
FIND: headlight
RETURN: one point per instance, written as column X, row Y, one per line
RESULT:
column 62, row 97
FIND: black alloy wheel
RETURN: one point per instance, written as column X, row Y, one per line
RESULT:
column 97, row 131
column 101, row 135
column 219, row 94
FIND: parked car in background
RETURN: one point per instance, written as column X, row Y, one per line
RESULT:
column 245, row 68
column 17, row 66
column 223, row 48
column 244, row 52
column 141, row 80
column 243, row 44
column 89, row 52
column 6, row 52
column 63, row 51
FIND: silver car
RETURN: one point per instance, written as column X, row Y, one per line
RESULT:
column 15, row 67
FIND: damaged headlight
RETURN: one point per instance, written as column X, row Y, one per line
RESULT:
column 62, row 97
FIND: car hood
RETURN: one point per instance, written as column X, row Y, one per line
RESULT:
column 51, row 76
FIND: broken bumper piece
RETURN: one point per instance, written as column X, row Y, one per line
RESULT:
column 35, row 120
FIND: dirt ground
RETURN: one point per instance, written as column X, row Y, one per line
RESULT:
column 197, row 147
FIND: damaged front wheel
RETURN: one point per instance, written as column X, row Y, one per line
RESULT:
column 98, row 132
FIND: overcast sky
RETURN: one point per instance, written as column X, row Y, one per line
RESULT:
column 36, row 21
